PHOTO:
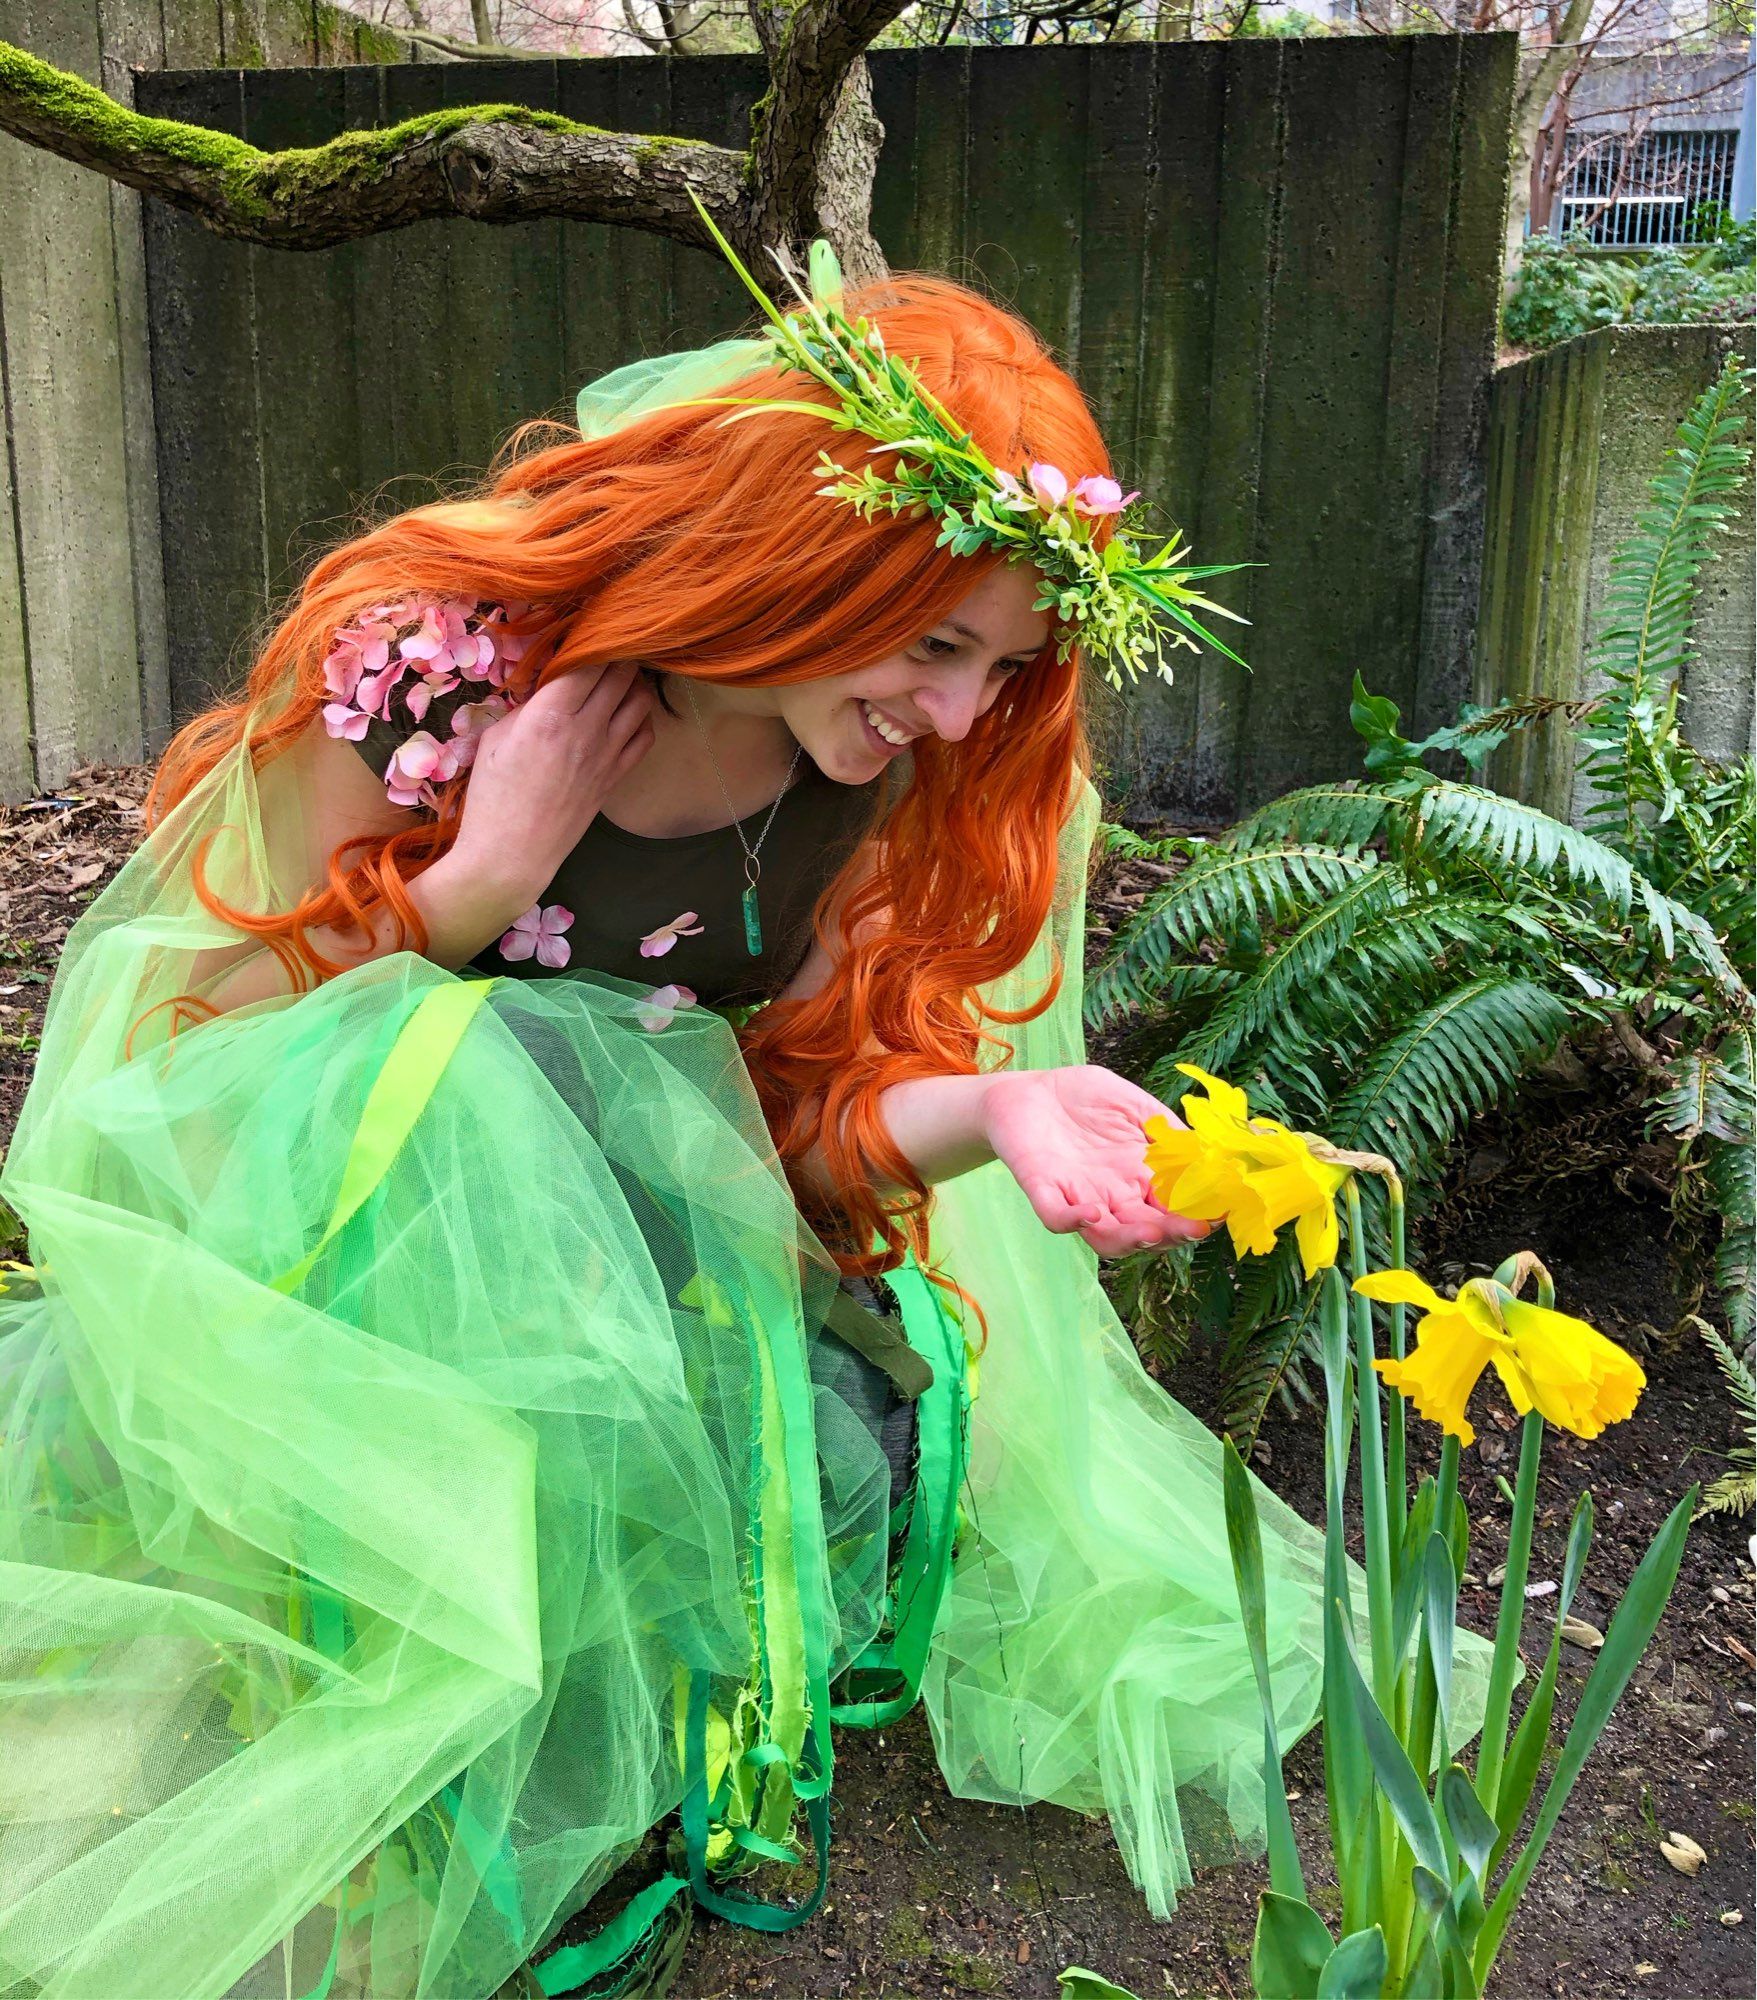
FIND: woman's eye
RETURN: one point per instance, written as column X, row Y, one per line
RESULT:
column 938, row 649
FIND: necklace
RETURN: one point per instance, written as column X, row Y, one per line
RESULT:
column 753, row 868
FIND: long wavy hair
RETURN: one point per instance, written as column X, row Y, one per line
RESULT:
column 700, row 547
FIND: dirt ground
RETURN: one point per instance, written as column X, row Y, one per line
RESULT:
column 933, row 1896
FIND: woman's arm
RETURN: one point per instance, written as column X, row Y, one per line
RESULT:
column 1071, row 1137
column 539, row 778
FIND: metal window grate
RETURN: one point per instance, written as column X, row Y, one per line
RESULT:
column 1646, row 195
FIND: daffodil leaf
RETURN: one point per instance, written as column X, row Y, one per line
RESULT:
column 1403, row 1791
column 1473, row 1831
column 1356, row 1969
column 1244, row 1538
column 1077, row 1983
column 1632, row 1628
column 1439, row 1624
column 1290, row 1950
column 1436, row 1901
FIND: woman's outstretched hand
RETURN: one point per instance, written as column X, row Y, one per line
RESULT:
column 1073, row 1140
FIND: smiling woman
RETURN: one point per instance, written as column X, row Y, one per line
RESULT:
column 480, row 1403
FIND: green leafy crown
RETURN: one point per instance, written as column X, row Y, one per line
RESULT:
column 1123, row 608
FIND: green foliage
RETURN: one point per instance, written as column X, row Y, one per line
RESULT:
column 1564, row 287
column 1427, row 1854
column 1735, row 1492
column 1379, row 962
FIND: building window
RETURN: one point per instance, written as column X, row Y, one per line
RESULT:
column 1645, row 194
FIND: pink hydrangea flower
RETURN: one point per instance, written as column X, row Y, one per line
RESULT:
column 658, row 942
column 1048, row 482
column 538, row 934
column 418, row 764
column 662, row 1006
column 469, row 723
column 1097, row 496
column 345, row 723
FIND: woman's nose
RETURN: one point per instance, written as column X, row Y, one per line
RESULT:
column 953, row 701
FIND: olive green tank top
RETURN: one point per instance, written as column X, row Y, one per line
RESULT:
column 619, row 887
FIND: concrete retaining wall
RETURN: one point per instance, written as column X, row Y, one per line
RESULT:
column 1576, row 434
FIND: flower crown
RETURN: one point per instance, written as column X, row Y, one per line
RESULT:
column 1125, row 607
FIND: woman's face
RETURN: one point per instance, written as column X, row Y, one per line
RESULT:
column 852, row 725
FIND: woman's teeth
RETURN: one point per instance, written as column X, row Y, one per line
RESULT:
column 883, row 725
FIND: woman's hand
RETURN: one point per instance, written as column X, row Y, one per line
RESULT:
column 1073, row 1140
column 542, row 774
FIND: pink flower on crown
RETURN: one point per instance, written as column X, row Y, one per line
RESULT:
column 419, row 763
column 1048, row 482
column 538, row 934
column 363, row 648
column 1096, row 496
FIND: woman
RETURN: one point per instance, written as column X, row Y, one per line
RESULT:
column 443, row 1442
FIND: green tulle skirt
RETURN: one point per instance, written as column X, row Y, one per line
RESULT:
column 419, row 1444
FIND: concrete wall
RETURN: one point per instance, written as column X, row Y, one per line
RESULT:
column 83, row 654
column 1576, row 433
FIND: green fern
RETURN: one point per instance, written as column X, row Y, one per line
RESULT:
column 1381, row 960
column 1637, row 763
column 1451, row 1062
column 1734, row 1492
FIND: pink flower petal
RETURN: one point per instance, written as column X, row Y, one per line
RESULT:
column 1048, row 482
column 517, row 944
column 662, row 1005
column 556, row 919
column 553, row 951
column 345, row 723
column 657, row 943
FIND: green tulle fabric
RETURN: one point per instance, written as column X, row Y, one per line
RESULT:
column 423, row 1401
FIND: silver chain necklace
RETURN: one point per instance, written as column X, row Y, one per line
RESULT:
column 753, row 868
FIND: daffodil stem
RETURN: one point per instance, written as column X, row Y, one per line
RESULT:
column 1396, row 1463
column 1420, row 1740
column 1511, row 1618
column 1373, row 1495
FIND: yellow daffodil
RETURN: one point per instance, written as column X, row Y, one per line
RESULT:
column 1547, row 1361
column 1253, row 1174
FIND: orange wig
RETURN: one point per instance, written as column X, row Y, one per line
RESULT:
column 700, row 547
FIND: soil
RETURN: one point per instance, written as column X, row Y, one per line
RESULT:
column 935, row 1896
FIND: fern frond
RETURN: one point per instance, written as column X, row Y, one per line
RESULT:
column 1275, row 1327
column 1456, row 1058
column 1731, row 1493
column 1294, row 967
column 1346, row 815
column 1467, row 822
column 1735, row 1491
column 1220, row 891
column 1115, row 839
column 1702, row 1091
column 1646, row 639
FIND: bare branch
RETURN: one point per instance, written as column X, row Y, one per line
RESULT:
column 490, row 162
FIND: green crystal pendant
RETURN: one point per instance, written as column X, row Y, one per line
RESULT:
column 753, row 923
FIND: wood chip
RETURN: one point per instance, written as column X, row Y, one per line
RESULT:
column 1578, row 1633
column 1683, row 1853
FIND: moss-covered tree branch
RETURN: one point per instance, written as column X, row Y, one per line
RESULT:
column 489, row 162
column 808, row 171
